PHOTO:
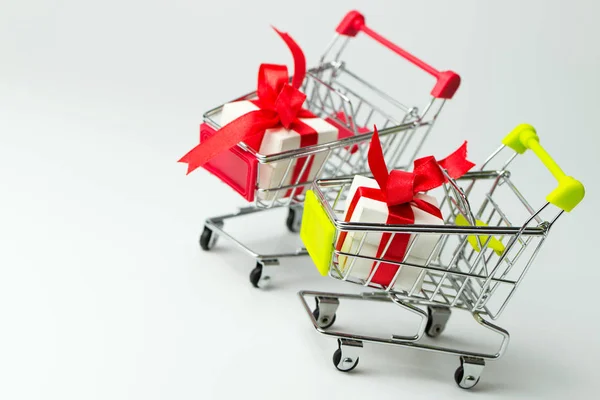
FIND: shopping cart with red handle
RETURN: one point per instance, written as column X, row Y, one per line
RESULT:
column 348, row 102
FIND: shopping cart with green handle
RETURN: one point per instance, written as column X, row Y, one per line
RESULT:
column 480, row 258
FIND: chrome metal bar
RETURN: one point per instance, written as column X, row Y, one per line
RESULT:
column 415, row 310
column 329, row 47
column 358, row 251
column 510, row 295
column 406, row 255
column 379, row 92
column 504, row 335
column 378, row 261
column 507, row 250
column 213, row 224
column 429, row 268
column 283, row 179
column 523, row 200
column 371, row 105
column 342, row 48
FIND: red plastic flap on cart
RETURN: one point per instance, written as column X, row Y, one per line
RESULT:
column 235, row 167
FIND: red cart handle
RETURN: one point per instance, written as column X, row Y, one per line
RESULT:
column 447, row 81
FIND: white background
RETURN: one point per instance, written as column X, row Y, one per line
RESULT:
column 104, row 292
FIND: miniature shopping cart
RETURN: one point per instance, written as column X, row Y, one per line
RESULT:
column 348, row 102
column 478, row 262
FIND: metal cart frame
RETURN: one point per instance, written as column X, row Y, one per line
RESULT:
column 338, row 95
column 478, row 262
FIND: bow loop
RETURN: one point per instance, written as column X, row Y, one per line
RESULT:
column 279, row 102
column 400, row 187
column 274, row 89
column 428, row 174
column 299, row 58
column 288, row 105
column 272, row 78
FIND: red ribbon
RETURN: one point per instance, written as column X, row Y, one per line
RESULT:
column 398, row 189
column 280, row 104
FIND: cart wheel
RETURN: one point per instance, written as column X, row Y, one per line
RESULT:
column 467, row 375
column 208, row 239
column 346, row 364
column 294, row 219
column 255, row 274
column 459, row 374
column 325, row 321
column 437, row 317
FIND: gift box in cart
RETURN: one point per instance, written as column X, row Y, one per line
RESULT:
column 474, row 261
column 271, row 144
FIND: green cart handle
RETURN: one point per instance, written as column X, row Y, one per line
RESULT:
column 569, row 192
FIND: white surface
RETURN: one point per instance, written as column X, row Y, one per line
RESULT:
column 104, row 292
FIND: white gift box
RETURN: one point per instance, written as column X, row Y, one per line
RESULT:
column 277, row 140
column 362, row 268
column 374, row 211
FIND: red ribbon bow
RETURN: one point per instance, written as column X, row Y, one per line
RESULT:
column 398, row 189
column 280, row 104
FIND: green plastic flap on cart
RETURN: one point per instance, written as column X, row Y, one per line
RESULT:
column 317, row 232
column 493, row 243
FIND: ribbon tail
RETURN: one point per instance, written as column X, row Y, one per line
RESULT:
column 456, row 163
column 238, row 130
column 189, row 159
column 377, row 161
column 299, row 58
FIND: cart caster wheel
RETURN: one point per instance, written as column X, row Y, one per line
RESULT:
column 467, row 375
column 208, row 239
column 256, row 274
column 437, row 317
column 294, row 219
column 325, row 310
column 459, row 376
column 345, row 358
column 260, row 276
column 325, row 321
column 345, row 365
